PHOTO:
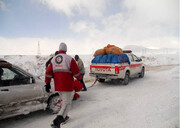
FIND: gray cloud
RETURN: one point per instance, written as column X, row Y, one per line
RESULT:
column 146, row 23
column 2, row 5
column 93, row 8
column 152, row 24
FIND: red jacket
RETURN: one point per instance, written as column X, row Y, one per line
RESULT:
column 63, row 67
column 77, row 87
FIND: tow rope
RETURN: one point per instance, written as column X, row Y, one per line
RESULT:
column 93, row 83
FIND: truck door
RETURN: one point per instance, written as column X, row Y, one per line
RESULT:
column 132, row 65
column 138, row 64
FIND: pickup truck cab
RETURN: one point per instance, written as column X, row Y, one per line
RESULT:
column 119, row 71
column 22, row 93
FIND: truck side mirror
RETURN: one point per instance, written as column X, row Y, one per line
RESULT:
column 139, row 59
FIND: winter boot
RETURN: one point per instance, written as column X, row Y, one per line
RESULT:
column 57, row 121
column 65, row 119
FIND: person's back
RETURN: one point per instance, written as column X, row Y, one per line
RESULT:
column 81, row 66
column 62, row 72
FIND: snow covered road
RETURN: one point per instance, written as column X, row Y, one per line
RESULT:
column 149, row 102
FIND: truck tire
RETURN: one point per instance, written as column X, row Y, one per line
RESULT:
column 52, row 104
column 101, row 80
column 126, row 79
column 142, row 73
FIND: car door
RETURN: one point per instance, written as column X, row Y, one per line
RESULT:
column 17, row 89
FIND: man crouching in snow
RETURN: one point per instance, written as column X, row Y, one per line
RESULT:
column 77, row 87
column 63, row 67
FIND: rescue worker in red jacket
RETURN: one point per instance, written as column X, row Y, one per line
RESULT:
column 77, row 87
column 63, row 68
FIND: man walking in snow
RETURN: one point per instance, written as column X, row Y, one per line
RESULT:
column 63, row 67
column 82, row 70
column 48, row 62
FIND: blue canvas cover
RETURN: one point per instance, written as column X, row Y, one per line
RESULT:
column 115, row 59
column 123, row 58
column 97, row 59
column 109, row 58
column 103, row 59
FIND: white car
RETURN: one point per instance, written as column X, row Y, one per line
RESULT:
column 22, row 93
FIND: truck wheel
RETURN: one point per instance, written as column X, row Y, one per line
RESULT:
column 101, row 80
column 53, row 105
column 142, row 73
column 126, row 79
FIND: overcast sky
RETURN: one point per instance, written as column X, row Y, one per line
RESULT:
column 86, row 25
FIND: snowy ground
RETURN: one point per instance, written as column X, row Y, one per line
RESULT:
column 149, row 102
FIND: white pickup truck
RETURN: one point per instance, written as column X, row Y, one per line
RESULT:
column 118, row 71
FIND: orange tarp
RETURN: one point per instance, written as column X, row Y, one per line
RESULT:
column 109, row 49
column 113, row 50
column 99, row 52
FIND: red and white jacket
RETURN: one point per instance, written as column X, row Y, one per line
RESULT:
column 63, row 68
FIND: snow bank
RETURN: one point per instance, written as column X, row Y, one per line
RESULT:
column 36, row 64
column 161, row 59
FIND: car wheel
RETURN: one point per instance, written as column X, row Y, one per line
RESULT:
column 126, row 79
column 142, row 73
column 101, row 80
column 54, row 104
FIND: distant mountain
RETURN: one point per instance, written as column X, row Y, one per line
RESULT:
column 135, row 48
column 141, row 49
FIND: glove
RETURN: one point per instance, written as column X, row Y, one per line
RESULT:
column 79, row 78
column 47, row 87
